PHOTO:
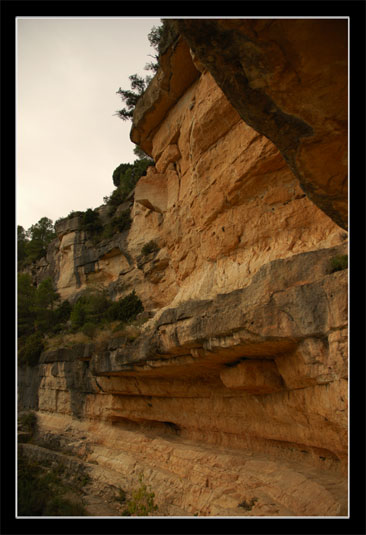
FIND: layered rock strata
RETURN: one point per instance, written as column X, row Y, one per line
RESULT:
column 233, row 397
column 258, row 375
column 265, row 366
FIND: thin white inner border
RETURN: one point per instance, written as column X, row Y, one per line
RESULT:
column 158, row 19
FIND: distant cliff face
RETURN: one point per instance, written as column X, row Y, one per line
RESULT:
column 220, row 202
column 247, row 346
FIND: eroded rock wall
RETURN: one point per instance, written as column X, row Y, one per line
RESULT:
column 264, row 367
column 245, row 351
column 220, row 202
column 288, row 79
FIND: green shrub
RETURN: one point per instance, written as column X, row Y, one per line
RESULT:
column 26, row 304
column 38, row 314
column 150, row 247
column 39, row 309
column 248, row 506
column 74, row 213
column 40, row 493
column 117, row 197
column 112, row 208
column 62, row 313
column 338, row 263
column 107, row 232
column 30, row 352
column 123, row 222
column 126, row 309
column 130, row 97
column 125, row 178
column 121, row 498
column 32, row 493
column 82, row 480
column 89, row 329
column 46, row 298
column 28, row 421
column 91, row 222
column 119, row 173
column 142, row 501
column 89, row 312
column 78, row 315
column 21, row 246
column 117, row 224
column 90, row 308
column 96, row 303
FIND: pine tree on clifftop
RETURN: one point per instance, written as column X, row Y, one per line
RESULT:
column 138, row 84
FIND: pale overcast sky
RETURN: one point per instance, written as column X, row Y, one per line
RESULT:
column 68, row 139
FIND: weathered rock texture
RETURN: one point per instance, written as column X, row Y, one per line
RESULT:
column 288, row 80
column 233, row 399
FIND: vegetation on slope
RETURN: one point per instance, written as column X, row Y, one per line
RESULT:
column 47, row 491
column 41, row 491
column 41, row 315
column 125, row 178
column 142, row 502
column 33, row 243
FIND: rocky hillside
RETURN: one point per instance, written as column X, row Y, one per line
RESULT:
column 231, row 394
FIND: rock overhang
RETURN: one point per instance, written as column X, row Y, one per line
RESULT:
column 165, row 89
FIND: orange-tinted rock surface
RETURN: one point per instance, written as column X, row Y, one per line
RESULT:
column 288, row 79
column 233, row 397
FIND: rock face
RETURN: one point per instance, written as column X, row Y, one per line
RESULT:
column 288, row 80
column 233, row 398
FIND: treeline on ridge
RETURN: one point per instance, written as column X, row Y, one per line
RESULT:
column 32, row 244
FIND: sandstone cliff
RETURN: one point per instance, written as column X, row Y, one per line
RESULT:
column 235, row 389
column 288, row 80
